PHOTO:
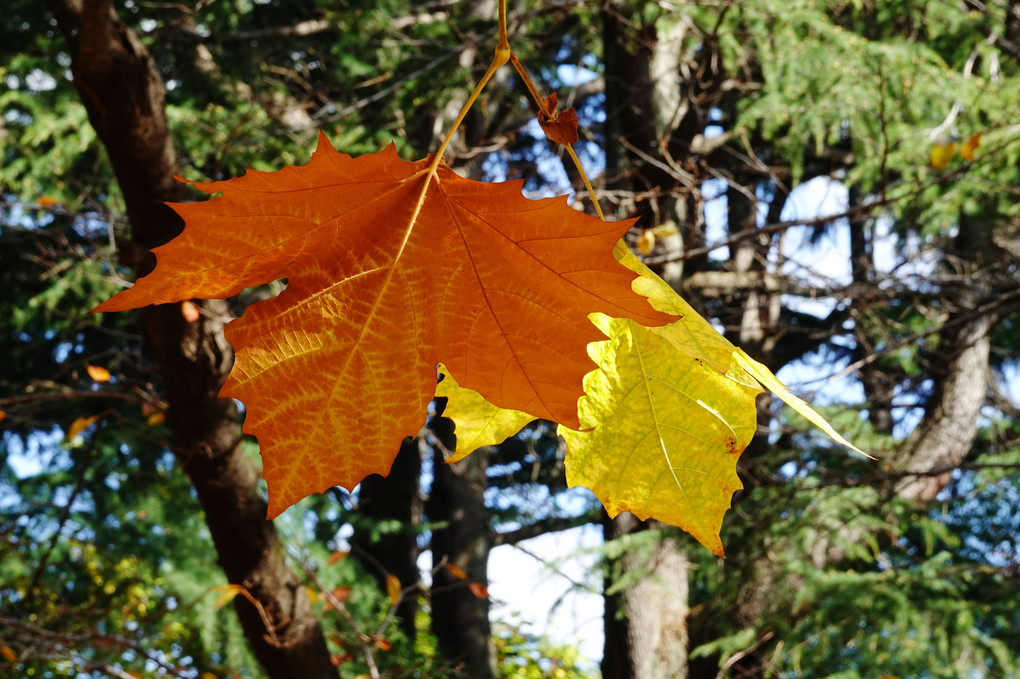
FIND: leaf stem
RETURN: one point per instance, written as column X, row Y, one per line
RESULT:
column 543, row 108
column 530, row 84
column 503, row 42
column 501, row 56
column 587, row 184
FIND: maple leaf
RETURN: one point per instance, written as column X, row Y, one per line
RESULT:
column 942, row 154
column 669, row 412
column 390, row 271
column 968, row 147
column 559, row 126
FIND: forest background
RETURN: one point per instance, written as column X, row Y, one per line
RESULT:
column 129, row 501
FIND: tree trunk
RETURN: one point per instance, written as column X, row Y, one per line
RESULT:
column 124, row 97
column 646, row 622
column 877, row 388
column 922, row 465
column 460, row 608
column 388, row 542
column 943, row 439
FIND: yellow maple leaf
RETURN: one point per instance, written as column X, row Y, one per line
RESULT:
column 479, row 423
column 770, row 382
column 393, row 588
column 664, row 419
column 79, row 425
column 675, row 429
column 941, row 154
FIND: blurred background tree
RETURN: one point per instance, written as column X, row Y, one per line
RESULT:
column 834, row 184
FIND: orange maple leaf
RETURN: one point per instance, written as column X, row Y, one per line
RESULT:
column 389, row 273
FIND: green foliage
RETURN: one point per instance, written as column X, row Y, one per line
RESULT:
column 521, row 654
column 47, row 147
column 867, row 81
column 918, row 592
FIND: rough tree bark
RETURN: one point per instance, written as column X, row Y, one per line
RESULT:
column 460, row 617
column 393, row 548
column 645, row 623
column 944, row 438
column 124, row 96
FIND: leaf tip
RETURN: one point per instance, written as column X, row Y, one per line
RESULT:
column 323, row 143
column 277, row 504
column 769, row 381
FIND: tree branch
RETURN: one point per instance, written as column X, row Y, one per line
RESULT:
column 550, row 524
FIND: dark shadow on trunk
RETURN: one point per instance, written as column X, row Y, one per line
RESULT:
column 124, row 97
column 385, row 539
column 460, row 538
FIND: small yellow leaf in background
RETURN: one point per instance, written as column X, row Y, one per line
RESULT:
column 8, row 653
column 336, row 556
column 313, row 596
column 98, row 373
column 136, row 675
column 646, row 242
column 478, row 589
column 383, row 645
column 79, row 425
column 208, row 675
column 667, row 229
column 393, row 588
column 190, row 311
column 47, row 201
column 969, row 146
column 941, row 154
column 456, row 571
column 228, row 592
column 155, row 419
